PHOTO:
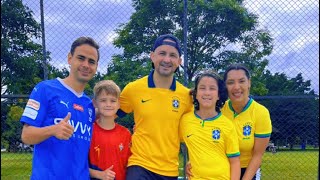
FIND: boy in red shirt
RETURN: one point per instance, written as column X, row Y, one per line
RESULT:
column 110, row 144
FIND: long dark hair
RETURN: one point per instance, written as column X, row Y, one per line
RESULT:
column 222, row 92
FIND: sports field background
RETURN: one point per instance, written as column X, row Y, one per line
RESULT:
column 18, row 165
column 288, row 86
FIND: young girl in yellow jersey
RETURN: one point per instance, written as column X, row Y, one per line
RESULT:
column 210, row 137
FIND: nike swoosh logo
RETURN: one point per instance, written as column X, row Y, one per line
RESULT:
column 189, row 135
column 143, row 101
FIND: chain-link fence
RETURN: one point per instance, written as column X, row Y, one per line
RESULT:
column 293, row 152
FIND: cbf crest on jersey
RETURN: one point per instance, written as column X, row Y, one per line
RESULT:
column 175, row 103
column 216, row 133
column 247, row 129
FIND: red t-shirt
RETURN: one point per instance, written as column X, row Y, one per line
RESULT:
column 110, row 147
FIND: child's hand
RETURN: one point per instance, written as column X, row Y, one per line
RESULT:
column 188, row 170
column 108, row 174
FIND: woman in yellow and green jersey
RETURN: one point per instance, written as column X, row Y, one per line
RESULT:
column 251, row 119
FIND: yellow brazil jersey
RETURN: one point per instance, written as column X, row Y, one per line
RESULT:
column 210, row 142
column 157, row 113
column 253, row 122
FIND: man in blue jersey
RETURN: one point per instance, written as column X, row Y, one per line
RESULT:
column 58, row 118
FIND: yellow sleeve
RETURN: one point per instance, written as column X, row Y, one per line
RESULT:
column 263, row 123
column 125, row 96
column 232, row 143
column 190, row 107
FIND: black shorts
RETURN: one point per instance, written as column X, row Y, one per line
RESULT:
column 140, row 173
column 255, row 177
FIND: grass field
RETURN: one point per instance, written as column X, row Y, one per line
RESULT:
column 15, row 166
column 291, row 165
column 294, row 165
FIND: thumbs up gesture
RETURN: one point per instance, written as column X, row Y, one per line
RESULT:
column 64, row 130
column 108, row 174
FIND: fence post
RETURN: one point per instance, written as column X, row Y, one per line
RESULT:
column 44, row 62
column 185, row 39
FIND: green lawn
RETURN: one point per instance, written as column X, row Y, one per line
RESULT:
column 15, row 166
column 281, row 165
column 286, row 165
column 290, row 165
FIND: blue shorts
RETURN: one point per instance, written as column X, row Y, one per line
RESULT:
column 140, row 173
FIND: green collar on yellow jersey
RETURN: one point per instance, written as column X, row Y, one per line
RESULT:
column 244, row 109
column 208, row 119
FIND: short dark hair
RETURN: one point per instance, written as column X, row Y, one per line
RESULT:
column 85, row 40
column 236, row 66
column 222, row 91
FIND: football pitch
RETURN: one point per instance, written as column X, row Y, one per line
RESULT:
column 281, row 165
column 290, row 165
column 294, row 165
column 15, row 166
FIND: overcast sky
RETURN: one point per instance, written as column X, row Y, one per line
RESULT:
column 293, row 24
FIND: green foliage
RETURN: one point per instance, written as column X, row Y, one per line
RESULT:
column 13, row 131
column 55, row 72
column 4, row 125
column 214, row 27
column 127, row 121
column 280, row 84
column 20, row 64
column 20, row 56
column 15, row 113
column 124, row 70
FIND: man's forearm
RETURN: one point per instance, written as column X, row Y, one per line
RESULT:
column 34, row 135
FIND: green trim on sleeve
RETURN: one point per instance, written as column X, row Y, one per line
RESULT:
column 233, row 155
column 262, row 135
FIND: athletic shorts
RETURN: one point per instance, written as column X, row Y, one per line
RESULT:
column 139, row 173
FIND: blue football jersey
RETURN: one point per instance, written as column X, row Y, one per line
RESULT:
column 48, row 104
